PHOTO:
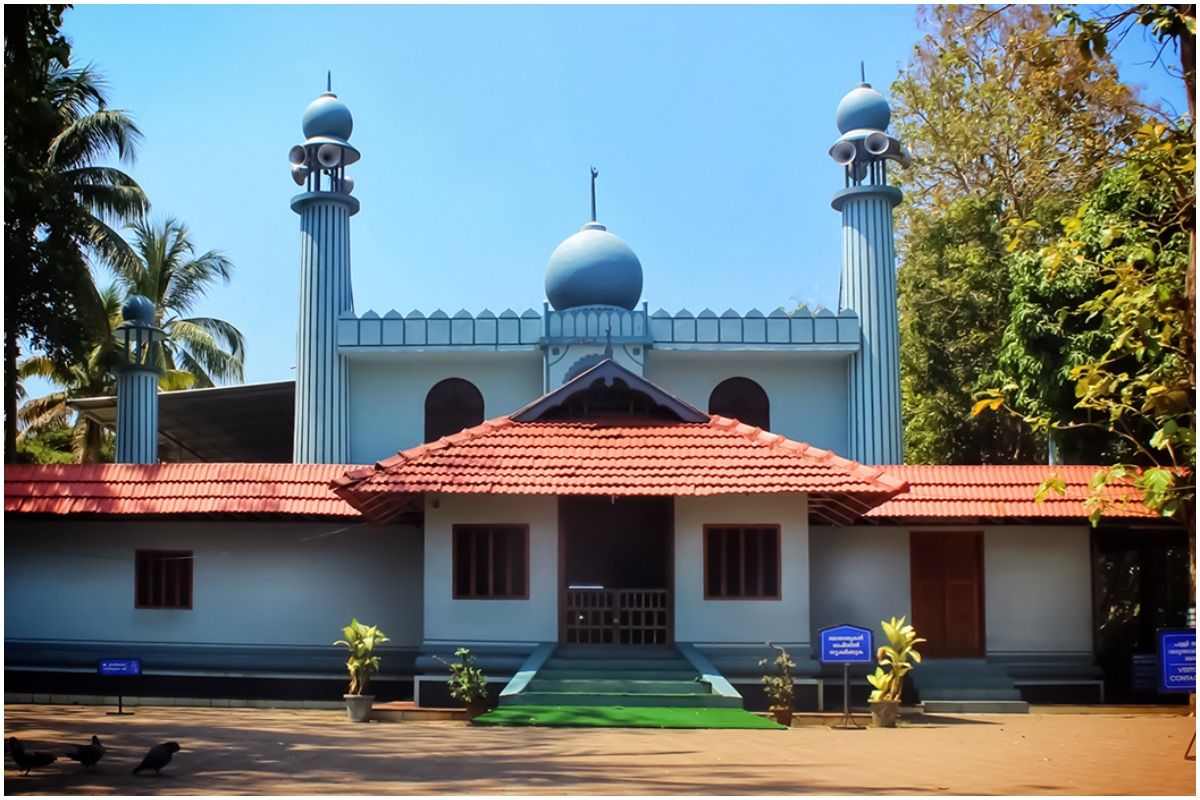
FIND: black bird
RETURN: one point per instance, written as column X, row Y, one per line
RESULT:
column 158, row 757
column 27, row 761
column 88, row 754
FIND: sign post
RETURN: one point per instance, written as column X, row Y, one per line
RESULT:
column 846, row 645
column 120, row 666
column 1177, row 664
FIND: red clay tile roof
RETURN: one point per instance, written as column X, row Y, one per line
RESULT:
column 1000, row 492
column 175, row 489
column 620, row 457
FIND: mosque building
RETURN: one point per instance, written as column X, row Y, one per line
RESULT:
column 552, row 487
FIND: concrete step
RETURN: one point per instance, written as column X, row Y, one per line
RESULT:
column 964, row 682
column 583, row 672
column 639, row 699
column 973, row 693
column 975, row 707
column 600, row 665
column 589, row 652
column 617, row 686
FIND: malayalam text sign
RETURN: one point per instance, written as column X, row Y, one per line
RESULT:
column 1177, row 660
column 120, row 666
column 845, row 644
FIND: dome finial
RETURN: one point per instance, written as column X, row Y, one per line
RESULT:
column 329, row 81
column 862, row 71
column 595, row 174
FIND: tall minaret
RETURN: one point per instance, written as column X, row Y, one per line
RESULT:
column 869, row 272
column 322, row 434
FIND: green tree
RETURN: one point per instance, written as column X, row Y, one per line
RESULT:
column 61, row 206
column 168, row 270
column 1008, row 122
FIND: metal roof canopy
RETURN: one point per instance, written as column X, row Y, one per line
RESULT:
column 246, row 423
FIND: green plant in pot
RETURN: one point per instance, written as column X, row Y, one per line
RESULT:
column 361, row 640
column 779, row 684
column 899, row 657
column 468, row 684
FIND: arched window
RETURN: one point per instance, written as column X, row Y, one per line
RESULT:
column 450, row 406
column 742, row 399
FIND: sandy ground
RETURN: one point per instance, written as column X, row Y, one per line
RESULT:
column 251, row 751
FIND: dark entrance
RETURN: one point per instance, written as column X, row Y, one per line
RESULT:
column 947, row 593
column 615, row 570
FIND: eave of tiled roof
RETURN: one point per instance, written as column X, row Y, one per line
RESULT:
column 1002, row 492
column 176, row 490
column 620, row 457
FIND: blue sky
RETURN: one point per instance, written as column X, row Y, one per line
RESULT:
column 477, row 125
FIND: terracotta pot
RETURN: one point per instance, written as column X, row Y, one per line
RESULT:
column 782, row 714
column 884, row 713
column 358, row 706
column 475, row 708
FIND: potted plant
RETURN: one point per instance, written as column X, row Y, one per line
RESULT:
column 779, row 685
column 361, row 640
column 885, row 700
column 468, row 684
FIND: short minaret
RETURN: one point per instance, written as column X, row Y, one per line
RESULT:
column 868, row 284
column 321, row 434
column 137, row 383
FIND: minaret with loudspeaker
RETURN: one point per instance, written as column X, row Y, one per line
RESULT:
column 322, row 426
column 869, row 272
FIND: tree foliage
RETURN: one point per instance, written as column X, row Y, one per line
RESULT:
column 1009, row 124
column 60, row 204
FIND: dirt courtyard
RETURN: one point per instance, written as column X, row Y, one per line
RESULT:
column 254, row 751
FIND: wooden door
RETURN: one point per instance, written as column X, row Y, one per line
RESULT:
column 947, row 593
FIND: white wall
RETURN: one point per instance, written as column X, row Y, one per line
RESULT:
column 253, row 582
column 531, row 620
column 1038, row 589
column 741, row 621
column 387, row 393
column 807, row 391
column 1037, row 583
column 860, row 575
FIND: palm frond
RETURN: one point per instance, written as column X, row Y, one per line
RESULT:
column 92, row 137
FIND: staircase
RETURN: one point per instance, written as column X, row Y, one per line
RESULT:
column 618, row 676
column 967, row 686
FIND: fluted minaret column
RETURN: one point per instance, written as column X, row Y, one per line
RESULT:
column 137, row 383
column 868, row 284
column 322, row 432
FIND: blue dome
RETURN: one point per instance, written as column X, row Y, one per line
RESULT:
column 327, row 116
column 863, row 107
column 138, row 309
column 591, row 268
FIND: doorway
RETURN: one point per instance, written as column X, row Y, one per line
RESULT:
column 616, row 570
column 947, row 593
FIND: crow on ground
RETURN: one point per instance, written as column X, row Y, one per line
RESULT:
column 88, row 754
column 25, row 760
column 158, row 757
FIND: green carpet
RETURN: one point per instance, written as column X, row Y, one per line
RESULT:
column 625, row 717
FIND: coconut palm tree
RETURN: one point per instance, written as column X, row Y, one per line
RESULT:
column 168, row 270
column 61, row 207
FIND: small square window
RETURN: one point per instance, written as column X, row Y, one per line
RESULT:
column 741, row 562
column 163, row 579
column 491, row 562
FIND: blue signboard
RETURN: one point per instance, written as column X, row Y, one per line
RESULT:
column 120, row 666
column 1177, row 660
column 846, row 644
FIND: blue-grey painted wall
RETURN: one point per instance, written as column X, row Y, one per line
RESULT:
column 807, row 391
column 387, row 397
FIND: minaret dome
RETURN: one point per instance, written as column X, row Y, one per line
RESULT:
column 327, row 116
column 863, row 108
